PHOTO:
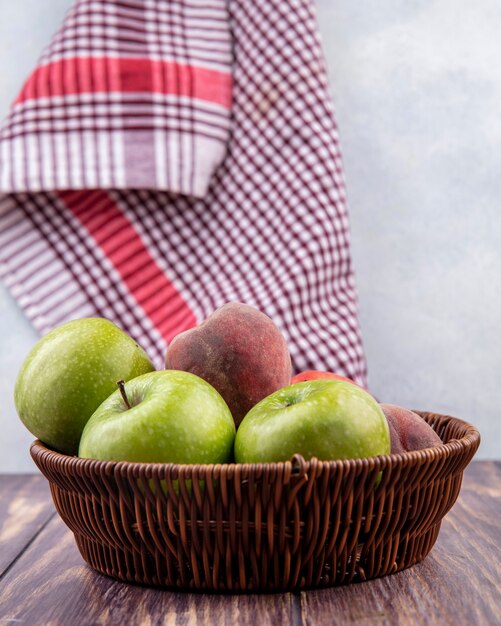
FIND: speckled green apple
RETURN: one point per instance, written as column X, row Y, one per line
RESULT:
column 69, row 373
column 326, row 419
column 161, row 417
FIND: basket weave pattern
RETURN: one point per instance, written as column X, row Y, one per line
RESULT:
column 268, row 527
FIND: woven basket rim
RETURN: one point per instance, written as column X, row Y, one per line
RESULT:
column 470, row 439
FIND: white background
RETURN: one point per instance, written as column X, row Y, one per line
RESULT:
column 417, row 89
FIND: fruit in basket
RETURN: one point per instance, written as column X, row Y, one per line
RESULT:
column 161, row 417
column 408, row 430
column 238, row 350
column 318, row 375
column 327, row 419
column 69, row 373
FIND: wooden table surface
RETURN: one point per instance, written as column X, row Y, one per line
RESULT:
column 43, row 579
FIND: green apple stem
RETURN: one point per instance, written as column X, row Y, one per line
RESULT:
column 121, row 386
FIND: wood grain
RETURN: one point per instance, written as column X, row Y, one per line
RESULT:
column 25, row 507
column 459, row 583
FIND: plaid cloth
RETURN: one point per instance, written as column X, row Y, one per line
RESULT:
column 167, row 157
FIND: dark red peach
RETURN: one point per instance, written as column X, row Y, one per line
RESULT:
column 408, row 431
column 239, row 351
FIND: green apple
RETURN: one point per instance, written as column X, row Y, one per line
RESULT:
column 161, row 417
column 67, row 375
column 327, row 419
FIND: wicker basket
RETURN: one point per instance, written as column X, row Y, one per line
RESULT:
column 270, row 527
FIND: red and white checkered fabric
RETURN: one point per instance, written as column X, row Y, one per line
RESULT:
column 168, row 157
column 128, row 95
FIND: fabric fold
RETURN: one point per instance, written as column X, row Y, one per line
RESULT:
column 127, row 95
column 156, row 256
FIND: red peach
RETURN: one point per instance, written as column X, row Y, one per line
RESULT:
column 408, row 431
column 318, row 375
column 239, row 351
